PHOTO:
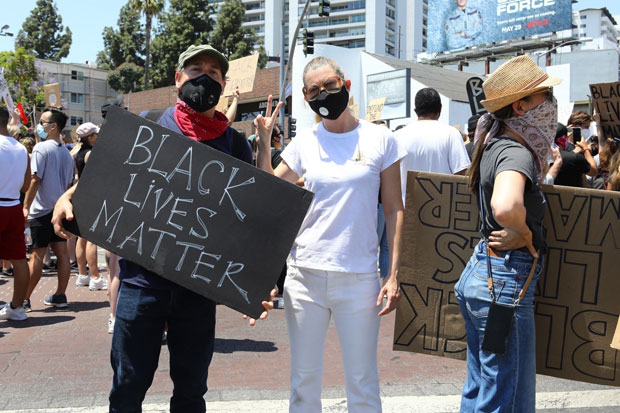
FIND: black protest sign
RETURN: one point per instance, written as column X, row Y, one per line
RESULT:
column 606, row 100
column 192, row 214
column 576, row 305
column 475, row 94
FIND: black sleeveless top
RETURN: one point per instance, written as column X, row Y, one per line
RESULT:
column 79, row 158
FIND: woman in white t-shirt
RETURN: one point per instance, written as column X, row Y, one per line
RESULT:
column 333, row 262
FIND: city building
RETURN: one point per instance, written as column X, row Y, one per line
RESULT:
column 394, row 28
column 83, row 89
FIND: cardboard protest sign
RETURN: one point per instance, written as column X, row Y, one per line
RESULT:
column 190, row 213
column 241, row 72
column 375, row 107
column 576, row 304
column 606, row 100
column 5, row 94
column 52, row 95
column 475, row 94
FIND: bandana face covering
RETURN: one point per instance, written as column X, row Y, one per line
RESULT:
column 330, row 106
column 537, row 127
column 198, row 127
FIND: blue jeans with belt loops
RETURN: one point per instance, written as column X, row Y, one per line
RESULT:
column 499, row 383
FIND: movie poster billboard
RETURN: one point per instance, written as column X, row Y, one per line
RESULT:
column 459, row 24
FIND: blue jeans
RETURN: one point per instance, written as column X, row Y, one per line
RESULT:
column 141, row 317
column 384, row 251
column 499, row 383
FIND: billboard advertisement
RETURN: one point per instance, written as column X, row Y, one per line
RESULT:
column 458, row 24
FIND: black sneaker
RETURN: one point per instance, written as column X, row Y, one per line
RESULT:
column 56, row 300
column 51, row 267
column 8, row 272
column 27, row 306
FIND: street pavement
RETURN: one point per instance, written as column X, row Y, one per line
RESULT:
column 58, row 361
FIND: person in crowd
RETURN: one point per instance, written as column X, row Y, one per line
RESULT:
column 613, row 184
column 276, row 146
column 513, row 143
column 605, row 156
column 582, row 121
column 554, row 166
column 52, row 173
column 14, row 178
column 431, row 145
column 576, row 161
column 384, row 248
column 148, row 302
column 332, row 269
column 231, row 113
column 471, row 131
column 86, row 251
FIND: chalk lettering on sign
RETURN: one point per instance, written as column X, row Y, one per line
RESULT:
column 179, row 212
column 158, row 207
column 564, row 218
column 234, row 268
column 131, row 238
column 452, row 248
column 158, row 242
column 187, row 172
column 430, row 305
column 199, row 262
column 106, row 219
column 151, row 169
column 607, row 220
column 589, row 357
column 201, row 189
column 551, row 325
column 587, row 265
column 187, row 246
column 151, row 186
column 141, row 145
column 131, row 179
column 192, row 232
column 240, row 214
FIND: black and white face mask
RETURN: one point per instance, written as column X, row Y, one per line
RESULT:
column 330, row 106
column 201, row 93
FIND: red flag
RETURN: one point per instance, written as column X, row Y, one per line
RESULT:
column 22, row 113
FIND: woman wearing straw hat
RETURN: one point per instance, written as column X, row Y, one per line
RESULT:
column 496, row 289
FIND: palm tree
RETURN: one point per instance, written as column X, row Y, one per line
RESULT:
column 150, row 8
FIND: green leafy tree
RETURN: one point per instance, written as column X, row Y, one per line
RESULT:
column 125, row 44
column 229, row 36
column 186, row 22
column 42, row 32
column 23, row 78
column 150, row 9
column 126, row 78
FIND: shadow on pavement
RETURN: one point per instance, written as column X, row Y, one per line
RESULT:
column 78, row 306
column 230, row 345
column 38, row 321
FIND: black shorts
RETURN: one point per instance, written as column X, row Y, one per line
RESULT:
column 42, row 231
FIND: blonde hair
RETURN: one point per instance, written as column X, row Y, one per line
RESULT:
column 13, row 131
column 321, row 61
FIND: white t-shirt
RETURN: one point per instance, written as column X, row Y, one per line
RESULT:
column 13, row 164
column 431, row 147
column 339, row 232
column 53, row 164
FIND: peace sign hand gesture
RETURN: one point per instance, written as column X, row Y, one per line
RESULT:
column 264, row 124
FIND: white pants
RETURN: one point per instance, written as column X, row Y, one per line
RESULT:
column 310, row 298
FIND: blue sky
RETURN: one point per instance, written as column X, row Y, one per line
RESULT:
column 87, row 18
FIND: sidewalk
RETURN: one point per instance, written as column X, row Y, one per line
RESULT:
column 58, row 361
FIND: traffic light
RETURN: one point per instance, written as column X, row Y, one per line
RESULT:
column 292, row 127
column 324, row 8
column 308, row 42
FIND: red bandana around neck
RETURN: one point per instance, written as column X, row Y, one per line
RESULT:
column 198, row 127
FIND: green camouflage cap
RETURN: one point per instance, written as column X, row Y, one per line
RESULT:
column 194, row 50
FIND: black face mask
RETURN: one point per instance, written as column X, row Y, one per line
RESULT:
column 201, row 94
column 330, row 106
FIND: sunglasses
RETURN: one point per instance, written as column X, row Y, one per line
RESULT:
column 44, row 122
column 331, row 86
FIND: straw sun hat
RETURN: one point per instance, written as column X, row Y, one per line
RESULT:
column 517, row 78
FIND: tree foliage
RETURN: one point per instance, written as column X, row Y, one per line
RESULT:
column 125, row 44
column 23, row 78
column 150, row 8
column 126, row 78
column 229, row 36
column 186, row 22
column 42, row 32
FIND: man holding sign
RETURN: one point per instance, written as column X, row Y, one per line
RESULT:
column 148, row 302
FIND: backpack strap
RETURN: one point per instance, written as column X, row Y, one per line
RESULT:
column 154, row 114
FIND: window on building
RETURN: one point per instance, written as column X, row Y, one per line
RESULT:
column 582, row 26
column 389, row 49
column 76, row 120
column 582, row 35
column 390, row 13
column 77, row 98
column 77, row 75
column 583, row 16
column 358, row 18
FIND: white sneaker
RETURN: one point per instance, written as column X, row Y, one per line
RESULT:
column 110, row 324
column 8, row 313
column 97, row 284
column 82, row 280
